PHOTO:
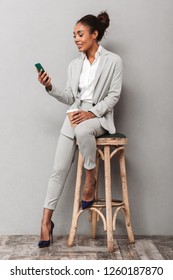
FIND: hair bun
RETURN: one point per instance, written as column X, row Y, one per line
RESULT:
column 103, row 17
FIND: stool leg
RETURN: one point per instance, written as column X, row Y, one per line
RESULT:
column 94, row 215
column 76, row 201
column 108, row 195
column 125, row 197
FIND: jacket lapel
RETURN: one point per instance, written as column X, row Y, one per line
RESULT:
column 77, row 73
column 103, row 59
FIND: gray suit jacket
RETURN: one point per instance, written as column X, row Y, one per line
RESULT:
column 107, row 89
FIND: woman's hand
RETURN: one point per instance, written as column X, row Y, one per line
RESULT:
column 80, row 116
column 45, row 80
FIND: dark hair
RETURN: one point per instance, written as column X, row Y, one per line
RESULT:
column 99, row 23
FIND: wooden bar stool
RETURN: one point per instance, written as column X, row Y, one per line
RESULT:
column 108, row 146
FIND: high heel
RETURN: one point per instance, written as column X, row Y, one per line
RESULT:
column 46, row 243
column 87, row 204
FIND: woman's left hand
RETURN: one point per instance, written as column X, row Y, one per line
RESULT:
column 81, row 116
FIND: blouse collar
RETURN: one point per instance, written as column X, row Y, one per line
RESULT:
column 97, row 54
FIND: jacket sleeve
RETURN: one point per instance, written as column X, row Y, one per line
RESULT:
column 113, row 95
column 65, row 96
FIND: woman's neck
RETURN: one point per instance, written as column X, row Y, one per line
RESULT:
column 91, row 53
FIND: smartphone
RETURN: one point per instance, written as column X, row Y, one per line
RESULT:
column 39, row 67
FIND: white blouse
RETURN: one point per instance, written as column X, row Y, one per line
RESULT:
column 86, row 81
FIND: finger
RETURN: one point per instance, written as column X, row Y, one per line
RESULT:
column 45, row 78
column 79, row 121
column 44, row 74
column 75, row 119
column 41, row 76
column 48, row 82
column 40, row 72
column 75, row 114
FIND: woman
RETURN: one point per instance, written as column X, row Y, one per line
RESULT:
column 94, row 86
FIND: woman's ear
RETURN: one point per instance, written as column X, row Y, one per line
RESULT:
column 95, row 34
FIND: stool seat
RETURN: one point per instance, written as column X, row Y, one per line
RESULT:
column 112, row 139
column 108, row 146
column 115, row 135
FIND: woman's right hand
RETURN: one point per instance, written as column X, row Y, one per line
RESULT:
column 45, row 80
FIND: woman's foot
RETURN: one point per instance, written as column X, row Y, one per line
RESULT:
column 46, row 228
column 46, row 235
column 88, row 196
column 45, row 231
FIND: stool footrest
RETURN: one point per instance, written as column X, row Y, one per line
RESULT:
column 101, row 203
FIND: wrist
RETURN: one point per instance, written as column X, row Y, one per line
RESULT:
column 92, row 114
column 49, row 87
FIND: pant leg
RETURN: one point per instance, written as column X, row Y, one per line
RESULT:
column 85, row 133
column 63, row 160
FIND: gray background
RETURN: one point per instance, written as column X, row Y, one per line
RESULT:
column 30, row 120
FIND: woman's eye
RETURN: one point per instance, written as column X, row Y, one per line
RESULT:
column 79, row 35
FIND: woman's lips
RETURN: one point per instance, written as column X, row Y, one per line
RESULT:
column 79, row 46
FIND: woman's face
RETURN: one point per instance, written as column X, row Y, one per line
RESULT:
column 83, row 38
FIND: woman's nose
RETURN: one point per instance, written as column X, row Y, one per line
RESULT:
column 76, row 39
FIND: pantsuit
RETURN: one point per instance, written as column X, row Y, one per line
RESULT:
column 107, row 88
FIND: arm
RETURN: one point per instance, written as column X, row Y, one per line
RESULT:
column 64, row 96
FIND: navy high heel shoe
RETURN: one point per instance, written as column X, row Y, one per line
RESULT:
column 46, row 243
column 87, row 204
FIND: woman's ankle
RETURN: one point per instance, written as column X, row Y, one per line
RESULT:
column 89, row 190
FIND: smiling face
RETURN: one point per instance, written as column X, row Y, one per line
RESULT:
column 84, row 39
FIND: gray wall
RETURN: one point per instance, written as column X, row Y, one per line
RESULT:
column 30, row 121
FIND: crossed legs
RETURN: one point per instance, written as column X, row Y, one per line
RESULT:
column 85, row 134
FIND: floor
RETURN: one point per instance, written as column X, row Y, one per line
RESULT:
column 16, row 247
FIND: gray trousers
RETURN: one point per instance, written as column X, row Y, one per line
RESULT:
column 85, row 134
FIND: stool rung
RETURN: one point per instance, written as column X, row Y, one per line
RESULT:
column 101, row 203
